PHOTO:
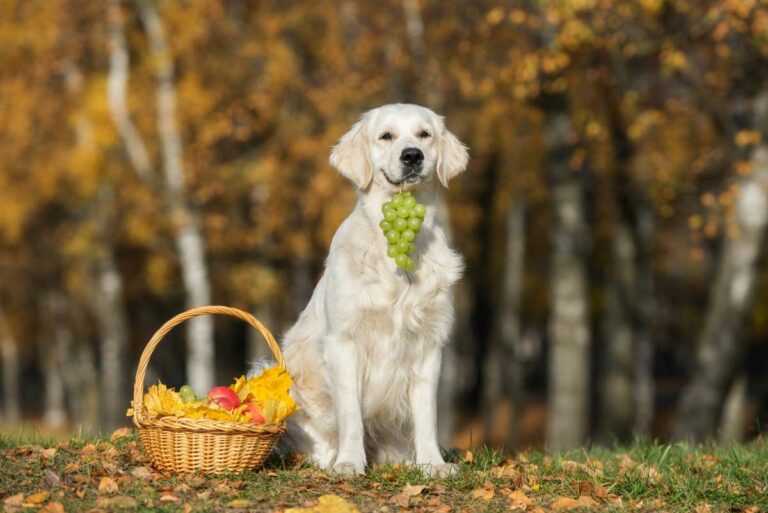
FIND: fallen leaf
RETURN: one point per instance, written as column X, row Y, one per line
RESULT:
column 565, row 503
column 36, row 499
column 141, row 472
column 518, row 499
column 120, row 501
column 120, row 433
column 96, row 510
column 107, row 486
column 52, row 479
column 485, row 493
column 52, row 507
column 327, row 504
column 49, row 453
column 469, row 457
column 412, row 490
column 585, row 488
column 239, row 504
column 14, row 501
column 168, row 497
column 703, row 508
column 402, row 500
column 187, row 508
column 88, row 450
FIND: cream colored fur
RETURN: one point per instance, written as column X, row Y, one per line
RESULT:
column 365, row 352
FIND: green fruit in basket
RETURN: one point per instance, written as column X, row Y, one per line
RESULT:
column 187, row 394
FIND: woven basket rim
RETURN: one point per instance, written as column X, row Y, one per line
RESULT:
column 185, row 424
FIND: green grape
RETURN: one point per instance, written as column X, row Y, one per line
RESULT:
column 409, row 264
column 400, row 224
column 414, row 223
column 408, row 235
column 404, row 212
column 386, row 206
column 386, row 225
column 187, row 394
column 397, row 201
column 392, row 236
column 393, row 250
column 419, row 211
column 390, row 215
column 409, row 201
column 402, row 260
column 404, row 247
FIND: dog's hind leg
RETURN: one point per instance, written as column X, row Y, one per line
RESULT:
column 305, row 438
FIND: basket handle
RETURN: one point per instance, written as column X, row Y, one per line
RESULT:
column 138, row 384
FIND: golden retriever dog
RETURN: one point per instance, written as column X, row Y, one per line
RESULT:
column 365, row 353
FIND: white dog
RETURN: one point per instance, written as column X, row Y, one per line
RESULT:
column 365, row 353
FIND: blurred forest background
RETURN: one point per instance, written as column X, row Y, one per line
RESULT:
column 156, row 155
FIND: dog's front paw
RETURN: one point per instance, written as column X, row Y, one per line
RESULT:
column 345, row 468
column 440, row 469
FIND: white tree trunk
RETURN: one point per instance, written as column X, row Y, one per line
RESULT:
column 189, row 238
column 117, row 95
column 9, row 353
column 732, row 427
column 113, row 330
column 720, row 345
column 569, row 330
column 617, row 409
column 54, row 413
column 503, row 366
column 81, row 383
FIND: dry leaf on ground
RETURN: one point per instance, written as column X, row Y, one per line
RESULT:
column 566, row 503
column 36, row 499
column 107, row 486
column 52, row 507
column 485, row 493
column 327, row 504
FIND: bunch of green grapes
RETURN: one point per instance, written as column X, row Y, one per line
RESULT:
column 401, row 224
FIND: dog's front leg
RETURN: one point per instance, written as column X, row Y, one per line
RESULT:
column 346, row 388
column 423, row 398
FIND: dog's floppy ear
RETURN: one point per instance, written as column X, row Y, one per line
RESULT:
column 350, row 155
column 452, row 158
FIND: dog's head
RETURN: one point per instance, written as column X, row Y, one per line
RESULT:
column 399, row 146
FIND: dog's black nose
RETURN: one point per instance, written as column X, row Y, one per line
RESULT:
column 411, row 157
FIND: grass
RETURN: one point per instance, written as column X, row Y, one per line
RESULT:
column 40, row 473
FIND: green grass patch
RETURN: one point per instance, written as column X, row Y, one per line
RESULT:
column 39, row 472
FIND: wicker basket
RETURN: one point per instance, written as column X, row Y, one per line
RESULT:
column 201, row 445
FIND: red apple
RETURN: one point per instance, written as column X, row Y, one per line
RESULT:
column 254, row 412
column 224, row 397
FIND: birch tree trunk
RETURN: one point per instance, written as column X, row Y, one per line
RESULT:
column 9, row 354
column 734, row 412
column 188, row 236
column 617, row 408
column 81, row 383
column 720, row 346
column 54, row 409
column 504, row 370
column 569, row 330
column 113, row 337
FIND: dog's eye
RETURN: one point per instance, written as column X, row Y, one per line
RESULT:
column 386, row 136
column 424, row 134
